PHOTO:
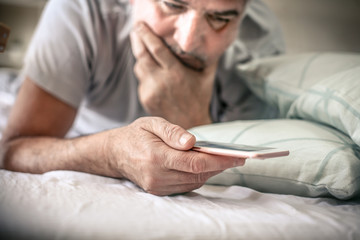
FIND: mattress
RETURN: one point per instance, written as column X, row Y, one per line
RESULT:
column 73, row 205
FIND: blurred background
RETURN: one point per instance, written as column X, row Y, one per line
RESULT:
column 21, row 16
column 308, row 25
column 319, row 25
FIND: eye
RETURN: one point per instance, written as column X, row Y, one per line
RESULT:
column 217, row 23
column 172, row 7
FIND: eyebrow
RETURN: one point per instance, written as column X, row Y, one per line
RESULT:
column 227, row 13
column 181, row 1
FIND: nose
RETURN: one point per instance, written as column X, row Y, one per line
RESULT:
column 190, row 32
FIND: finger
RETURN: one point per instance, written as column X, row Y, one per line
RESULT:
column 196, row 162
column 189, row 178
column 173, row 135
column 144, row 59
column 144, row 67
column 175, row 189
column 138, row 48
column 174, row 181
column 156, row 47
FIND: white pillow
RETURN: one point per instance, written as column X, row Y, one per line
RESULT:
column 335, row 101
column 322, row 160
column 280, row 80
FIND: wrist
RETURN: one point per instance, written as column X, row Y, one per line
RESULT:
column 94, row 154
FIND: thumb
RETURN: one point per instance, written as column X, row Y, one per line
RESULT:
column 173, row 135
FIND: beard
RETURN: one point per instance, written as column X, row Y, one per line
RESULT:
column 189, row 60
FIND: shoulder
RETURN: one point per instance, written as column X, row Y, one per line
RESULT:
column 260, row 35
column 87, row 9
column 261, row 14
column 261, row 31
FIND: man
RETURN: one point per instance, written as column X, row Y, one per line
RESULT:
column 82, row 63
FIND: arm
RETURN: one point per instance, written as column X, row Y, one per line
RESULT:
column 151, row 152
column 37, row 121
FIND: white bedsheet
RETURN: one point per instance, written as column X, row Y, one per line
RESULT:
column 8, row 87
column 72, row 205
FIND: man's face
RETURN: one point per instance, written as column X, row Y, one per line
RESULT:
column 197, row 31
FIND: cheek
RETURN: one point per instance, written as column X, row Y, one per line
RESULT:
column 230, row 37
column 218, row 43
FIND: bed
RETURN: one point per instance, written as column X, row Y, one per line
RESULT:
column 314, row 193
column 71, row 205
column 311, row 194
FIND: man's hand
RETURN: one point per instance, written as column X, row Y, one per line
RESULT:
column 156, row 155
column 167, row 88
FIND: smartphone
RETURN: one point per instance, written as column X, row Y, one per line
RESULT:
column 239, row 150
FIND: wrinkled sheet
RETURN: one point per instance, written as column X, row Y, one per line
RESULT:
column 9, row 85
column 73, row 205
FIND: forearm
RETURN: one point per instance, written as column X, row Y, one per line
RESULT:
column 43, row 154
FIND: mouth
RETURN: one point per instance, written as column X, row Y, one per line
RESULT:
column 188, row 59
column 192, row 62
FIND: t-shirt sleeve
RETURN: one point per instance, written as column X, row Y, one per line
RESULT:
column 59, row 56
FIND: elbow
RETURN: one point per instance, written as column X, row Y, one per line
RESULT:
column 3, row 151
column 5, row 154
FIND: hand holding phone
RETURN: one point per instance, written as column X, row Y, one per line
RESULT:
column 239, row 150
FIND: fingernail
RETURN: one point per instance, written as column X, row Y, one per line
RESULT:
column 184, row 138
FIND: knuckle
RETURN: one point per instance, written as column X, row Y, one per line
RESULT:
column 149, row 184
column 155, row 120
column 201, row 178
column 197, row 165
column 172, row 130
column 158, row 50
column 141, row 120
column 144, row 97
column 140, row 53
column 148, row 98
column 141, row 124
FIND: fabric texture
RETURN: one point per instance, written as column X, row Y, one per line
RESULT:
column 322, row 160
column 321, row 89
column 73, row 205
column 335, row 101
column 281, row 80
column 81, row 54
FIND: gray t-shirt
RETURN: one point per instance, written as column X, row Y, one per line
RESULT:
column 81, row 54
